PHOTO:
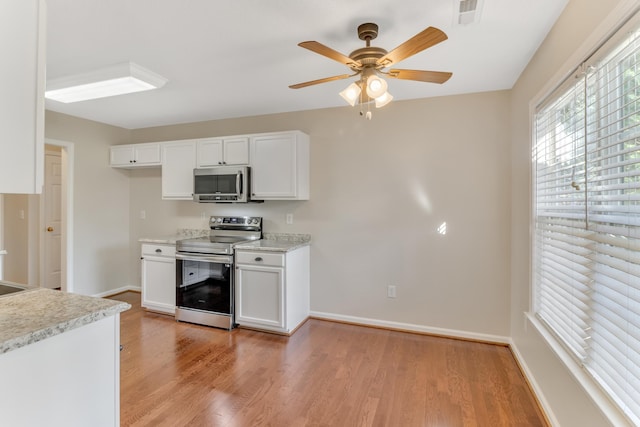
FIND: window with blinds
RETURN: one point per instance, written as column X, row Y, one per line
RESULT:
column 586, row 274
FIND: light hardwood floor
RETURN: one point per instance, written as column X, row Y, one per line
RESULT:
column 326, row 374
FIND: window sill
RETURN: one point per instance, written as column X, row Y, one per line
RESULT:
column 599, row 397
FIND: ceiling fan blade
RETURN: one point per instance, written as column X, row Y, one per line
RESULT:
column 315, row 82
column 421, row 76
column 329, row 53
column 421, row 41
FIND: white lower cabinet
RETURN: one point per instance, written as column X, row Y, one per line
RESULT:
column 68, row 379
column 159, row 278
column 272, row 289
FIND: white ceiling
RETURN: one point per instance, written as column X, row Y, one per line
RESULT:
column 236, row 58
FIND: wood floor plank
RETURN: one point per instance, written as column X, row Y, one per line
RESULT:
column 326, row 374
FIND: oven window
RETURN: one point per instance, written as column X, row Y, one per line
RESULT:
column 204, row 286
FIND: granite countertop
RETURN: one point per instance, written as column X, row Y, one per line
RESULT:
column 35, row 314
column 183, row 233
column 273, row 242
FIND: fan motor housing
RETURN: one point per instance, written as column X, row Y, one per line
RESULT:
column 368, row 56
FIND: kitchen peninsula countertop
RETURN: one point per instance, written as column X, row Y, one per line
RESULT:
column 275, row 242
column 35, row 314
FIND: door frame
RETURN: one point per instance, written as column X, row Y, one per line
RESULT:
column 66, row 250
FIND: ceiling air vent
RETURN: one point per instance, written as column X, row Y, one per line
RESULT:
column 468, row 11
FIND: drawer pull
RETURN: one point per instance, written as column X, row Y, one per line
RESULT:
column 258, row 259
column 158, row 251
column 191, row 274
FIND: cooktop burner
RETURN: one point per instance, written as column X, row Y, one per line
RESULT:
column 225, row 232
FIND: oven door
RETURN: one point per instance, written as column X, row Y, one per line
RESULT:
column 204, row 289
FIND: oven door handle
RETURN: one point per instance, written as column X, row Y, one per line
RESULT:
column 205, row 258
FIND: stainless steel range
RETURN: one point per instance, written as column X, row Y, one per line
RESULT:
column 205, row 271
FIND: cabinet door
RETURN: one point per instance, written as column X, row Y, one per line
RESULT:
column 209, row 152
column 135, row 155
column 236, row 151
column 22, row 82
column 260, row 296
column 122, row 155
column 177, row 170
column 273, row 166
column 147, row 154
column 158, row 284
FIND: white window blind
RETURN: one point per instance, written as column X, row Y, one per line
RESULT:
column 586, row 280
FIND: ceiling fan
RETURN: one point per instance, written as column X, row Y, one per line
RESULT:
column 369, row 63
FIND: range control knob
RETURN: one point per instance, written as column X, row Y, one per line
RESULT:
column 218, row 219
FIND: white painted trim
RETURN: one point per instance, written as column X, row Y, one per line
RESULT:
column 596, row 38
column 593, row 390
column 121, row 289
column 410, row 327
column 537, row 390
column 621, row 13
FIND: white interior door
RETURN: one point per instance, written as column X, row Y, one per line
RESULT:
column 52, row 220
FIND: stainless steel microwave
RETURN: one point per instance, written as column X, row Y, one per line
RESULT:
column 222, row 184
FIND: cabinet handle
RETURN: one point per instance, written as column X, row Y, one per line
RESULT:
column 258, row 258
column 219, row 163
column 158, row 251
column 191, row 274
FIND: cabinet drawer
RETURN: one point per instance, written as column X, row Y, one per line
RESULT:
column 159, row 250
column 260, row 258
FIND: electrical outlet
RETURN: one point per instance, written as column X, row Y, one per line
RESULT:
column 143, row 214
column 289, row 218
column 391, row 291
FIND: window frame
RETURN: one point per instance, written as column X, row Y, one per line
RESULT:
column 629, row 19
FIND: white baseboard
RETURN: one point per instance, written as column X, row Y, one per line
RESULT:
column 112, row 292
column 534, row 385
column 409, row 327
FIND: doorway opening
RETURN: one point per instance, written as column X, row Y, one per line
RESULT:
column 38, row 228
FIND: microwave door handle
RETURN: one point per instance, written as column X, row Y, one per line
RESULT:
column 239, row 183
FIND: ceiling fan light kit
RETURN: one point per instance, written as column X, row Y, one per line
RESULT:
column 368, row 63
column 351, row 93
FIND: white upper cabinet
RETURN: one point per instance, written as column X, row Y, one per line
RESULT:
column 223, row 151
column 135, row 155
column 279, row 162
column 280, row 166
column 22, row 83
column 177, row 169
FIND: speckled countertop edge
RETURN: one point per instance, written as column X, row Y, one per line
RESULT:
column 277, row 242
column 270, row 242
column 182, row 233
column 36, row 314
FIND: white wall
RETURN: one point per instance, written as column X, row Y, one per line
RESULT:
column 15, row 216
column 379, row 191
column 101, row 203
column 576, row 33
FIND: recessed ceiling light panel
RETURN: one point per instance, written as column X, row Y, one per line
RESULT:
column 115, row 80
